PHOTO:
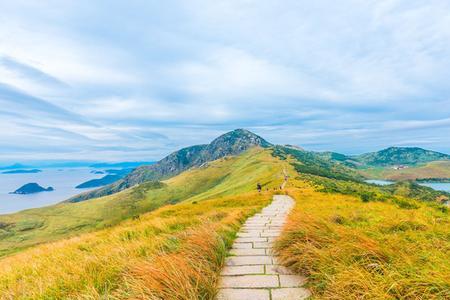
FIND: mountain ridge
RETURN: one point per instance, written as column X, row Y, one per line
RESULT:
column 230, row 143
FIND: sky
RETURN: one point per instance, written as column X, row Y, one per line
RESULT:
column 136, row 80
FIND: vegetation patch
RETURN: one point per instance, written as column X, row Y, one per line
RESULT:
column 158, row 256
column 375, row 250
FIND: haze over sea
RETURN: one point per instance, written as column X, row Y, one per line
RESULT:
column 62, row 180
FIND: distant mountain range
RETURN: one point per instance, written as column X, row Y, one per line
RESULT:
column 400, row 156
column 126, row 164
column 19, row 171
column 391, row 156
column 113, row 176
column 75, row 164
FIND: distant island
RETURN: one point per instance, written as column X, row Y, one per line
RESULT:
column 113, row 175
column 14, row 166
column 31, row 188
column 97, row 172
column 99, row 182
column 22, row 171
column 126, row 164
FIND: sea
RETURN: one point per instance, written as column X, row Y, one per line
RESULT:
column 63, row 181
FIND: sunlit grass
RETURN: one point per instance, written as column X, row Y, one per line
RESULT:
column 375, row 250
column 172, row 253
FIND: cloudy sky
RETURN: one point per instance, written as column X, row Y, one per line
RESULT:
column 135, row 80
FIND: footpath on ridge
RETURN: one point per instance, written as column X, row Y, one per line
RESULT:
column 252, row 271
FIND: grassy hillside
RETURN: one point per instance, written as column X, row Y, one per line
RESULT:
column 175, row 252
column 435, row 169
column 386, row 246
column 306, row 162
column 230, row 175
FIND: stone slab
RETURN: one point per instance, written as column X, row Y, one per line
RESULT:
column 242, row 246
column 250, row 239
column 248, row 260
column 246, row 252
column 243, row 294
column 289, row 294
column 242, row 270
column 249, row 281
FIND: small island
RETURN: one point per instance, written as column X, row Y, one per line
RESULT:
column 97, row 172
column 31, row 188
column 22, row 171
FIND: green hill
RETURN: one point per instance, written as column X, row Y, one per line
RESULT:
column 400, row 156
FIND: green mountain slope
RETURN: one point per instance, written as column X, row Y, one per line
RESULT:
column 320, row 164
column 231, row 143
column 400, row 156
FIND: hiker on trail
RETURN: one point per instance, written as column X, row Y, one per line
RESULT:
column 258, row 187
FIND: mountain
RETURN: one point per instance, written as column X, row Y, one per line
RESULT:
column 232, row 143
column 107, row 179
column 400, row 156
column 31, row 188
column 14, row 166
column 22, row 171
column 126, row 164
column 113, row 176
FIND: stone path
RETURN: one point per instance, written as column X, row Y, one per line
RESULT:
column 252, row 272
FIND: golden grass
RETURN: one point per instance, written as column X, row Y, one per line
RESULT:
column 355, row 250
column 172, row 253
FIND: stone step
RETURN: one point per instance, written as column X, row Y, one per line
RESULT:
column 248, row 260
column 243, row 294
column 243, row 270
column 250, row 281
column 246, row 252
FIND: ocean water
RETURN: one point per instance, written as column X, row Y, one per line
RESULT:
column 439, row 186
column 62, row 180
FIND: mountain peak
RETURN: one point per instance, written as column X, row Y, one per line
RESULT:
column 241, row 137
column 231, row 143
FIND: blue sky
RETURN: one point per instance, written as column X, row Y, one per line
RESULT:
column 135, row 80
